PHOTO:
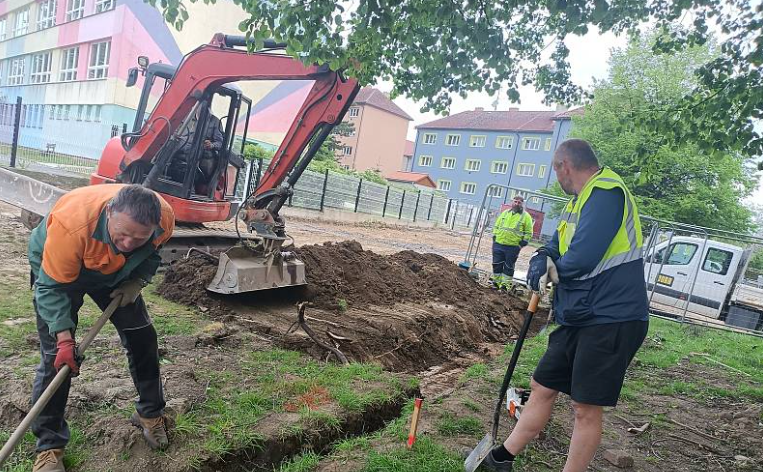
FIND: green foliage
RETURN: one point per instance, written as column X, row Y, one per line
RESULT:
column 254, row 152
column 683, row 182
column 428, row 49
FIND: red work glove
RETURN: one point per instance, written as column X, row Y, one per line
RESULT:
column 67, row 355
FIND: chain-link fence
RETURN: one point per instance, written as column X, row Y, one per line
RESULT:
column 329, row 190
column 30, row 139
column 693, row 274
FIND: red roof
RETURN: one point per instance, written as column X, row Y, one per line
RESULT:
column 567, row 115
column 375, row 98
column 538, row 121
column 412, row 178
column 409, row 147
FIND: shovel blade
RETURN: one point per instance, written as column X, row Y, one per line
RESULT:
column 479, row 453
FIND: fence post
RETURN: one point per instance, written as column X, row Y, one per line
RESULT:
column 455, row 215
column 402, row 203
column 416, row 208
column 386, row 199
column 471, row 213
column 429, row 213
column 357, row 197
column 447, row 211
column 325, row 184
column 16, row 126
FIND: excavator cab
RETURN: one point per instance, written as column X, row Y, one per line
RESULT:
column 170, row 151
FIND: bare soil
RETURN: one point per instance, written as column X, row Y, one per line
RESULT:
column 406, row 311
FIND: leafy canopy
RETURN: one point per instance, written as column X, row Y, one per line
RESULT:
column 686, row 183
column 433, row 49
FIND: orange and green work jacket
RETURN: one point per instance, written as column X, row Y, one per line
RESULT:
column 510, row 228
column 71, row 250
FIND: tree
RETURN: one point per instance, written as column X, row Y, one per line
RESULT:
column 432, row 49
column 687, row 183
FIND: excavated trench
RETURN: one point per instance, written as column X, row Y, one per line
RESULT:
column 409, row 312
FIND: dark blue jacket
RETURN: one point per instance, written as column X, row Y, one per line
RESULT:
column 614, row 296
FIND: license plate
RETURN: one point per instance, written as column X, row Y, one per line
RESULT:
column 663, row 279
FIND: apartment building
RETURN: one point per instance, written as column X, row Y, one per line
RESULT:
column 466, row 152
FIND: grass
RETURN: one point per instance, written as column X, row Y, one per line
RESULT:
column 449, row 425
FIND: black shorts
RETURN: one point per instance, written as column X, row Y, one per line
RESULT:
column 588, row 363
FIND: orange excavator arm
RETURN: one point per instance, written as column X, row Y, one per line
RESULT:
column 219, row 62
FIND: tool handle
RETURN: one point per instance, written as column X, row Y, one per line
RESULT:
column 59, row 379
column 531, row 308
column 414, row 422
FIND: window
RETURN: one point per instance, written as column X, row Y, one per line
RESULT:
column 525, row 170
column 541, row 172
column 41, row 116
column 448, row 163
column 473, row 165
column 97, row 116
column 530, row 144
column 74, row 9
column 521, row 193
column 60, row 112
column 425, row 161
column 16, row 71
column 69, row 62
column 52, row 115
column 679, row 254
column 453, row 140
column 354, row 112
column 46, row 14
column 547, row 145
column 496, row 192
column 347, row 150
column 717, row 261
column 477, row 141
column 88, row 112
column 103, row 5
column 22, row 22
column 534, row 200
column 504, row 142
column 430, row 138
column 22, row 117
column 444, row 185
column 499, row 167
column 3, row 27
column 41, row 64
column 468, row 188
column 99, row 60
column 80, row 112
column 67, row 109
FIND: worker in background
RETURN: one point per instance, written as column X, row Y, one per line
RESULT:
column 511, row 232
column 101, row 241
column 211, row 144
column 600, row 305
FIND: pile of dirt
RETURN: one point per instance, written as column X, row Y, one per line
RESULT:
column 407, row 311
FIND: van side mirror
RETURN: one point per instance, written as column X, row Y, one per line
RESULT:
column 132, row 77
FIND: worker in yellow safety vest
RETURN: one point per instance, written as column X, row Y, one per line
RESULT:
column 511, row 232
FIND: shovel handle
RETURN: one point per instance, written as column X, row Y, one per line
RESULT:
column 59, row 379
column 531, row 308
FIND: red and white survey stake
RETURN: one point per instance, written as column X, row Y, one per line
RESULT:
column 414, row 422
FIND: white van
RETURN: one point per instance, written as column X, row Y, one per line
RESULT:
column 712, row 272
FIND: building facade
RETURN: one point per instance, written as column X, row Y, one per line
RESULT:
column 466, row 152
column 68, row 60
column 378, row 139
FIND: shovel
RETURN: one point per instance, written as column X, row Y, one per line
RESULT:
column 62, row 374
column 484, row 447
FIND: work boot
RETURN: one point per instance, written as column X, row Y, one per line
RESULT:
column 497, row 466
column 153, row 430
column 50, row 460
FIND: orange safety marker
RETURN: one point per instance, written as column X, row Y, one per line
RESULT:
column 414, row 422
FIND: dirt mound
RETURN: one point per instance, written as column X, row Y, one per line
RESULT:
column 407, row 311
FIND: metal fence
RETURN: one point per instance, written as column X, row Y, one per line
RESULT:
column 693, row 274
column 22, row 144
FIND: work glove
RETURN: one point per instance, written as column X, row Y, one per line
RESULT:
column 551, row 275
column 129, row 290
column 67, row 355
column 537, row 270
column 522, row 243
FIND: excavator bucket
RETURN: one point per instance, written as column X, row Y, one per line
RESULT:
column 241, row 270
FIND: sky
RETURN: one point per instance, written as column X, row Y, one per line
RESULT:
column 588, row 61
